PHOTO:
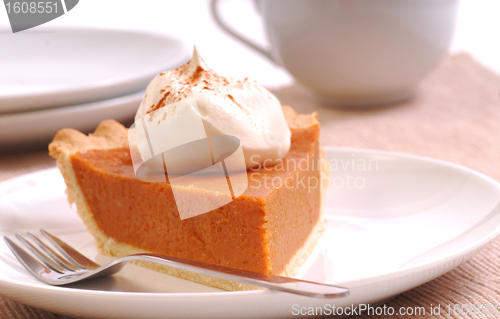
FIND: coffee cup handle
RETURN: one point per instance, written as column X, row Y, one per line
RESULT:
column 214, row 4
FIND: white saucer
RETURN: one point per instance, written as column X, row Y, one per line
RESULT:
column 40, row 126
column 403, row 221
column 55, row 66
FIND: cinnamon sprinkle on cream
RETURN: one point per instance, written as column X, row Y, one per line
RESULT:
column 197, row 74
column 161, row 103
column 239, row 105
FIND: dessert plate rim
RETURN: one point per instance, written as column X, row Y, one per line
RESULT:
column 38, row 126
column 90, row 88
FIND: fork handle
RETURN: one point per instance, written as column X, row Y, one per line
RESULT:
column 272, row 282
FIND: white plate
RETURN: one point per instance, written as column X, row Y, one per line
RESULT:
column 41, row 126
column 59, row 65
column 403, row 221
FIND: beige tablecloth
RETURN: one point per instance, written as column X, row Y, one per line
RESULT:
column 455, row 116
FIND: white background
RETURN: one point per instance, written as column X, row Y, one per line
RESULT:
column 478, row 30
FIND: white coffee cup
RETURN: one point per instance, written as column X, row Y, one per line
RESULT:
column 356, row 52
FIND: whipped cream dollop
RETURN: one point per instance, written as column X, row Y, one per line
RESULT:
column 241, row 108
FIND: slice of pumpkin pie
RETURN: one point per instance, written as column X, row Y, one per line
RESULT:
column 269, row 227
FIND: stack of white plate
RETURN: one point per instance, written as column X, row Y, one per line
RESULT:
column 76, row 77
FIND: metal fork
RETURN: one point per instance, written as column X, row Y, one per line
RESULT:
column 51, row 268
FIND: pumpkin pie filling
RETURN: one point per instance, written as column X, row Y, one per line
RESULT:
column 261, row 230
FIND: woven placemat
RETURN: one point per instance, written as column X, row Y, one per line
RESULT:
column 454, row 116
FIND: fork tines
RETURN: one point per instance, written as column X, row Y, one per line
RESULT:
column 44, row 259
